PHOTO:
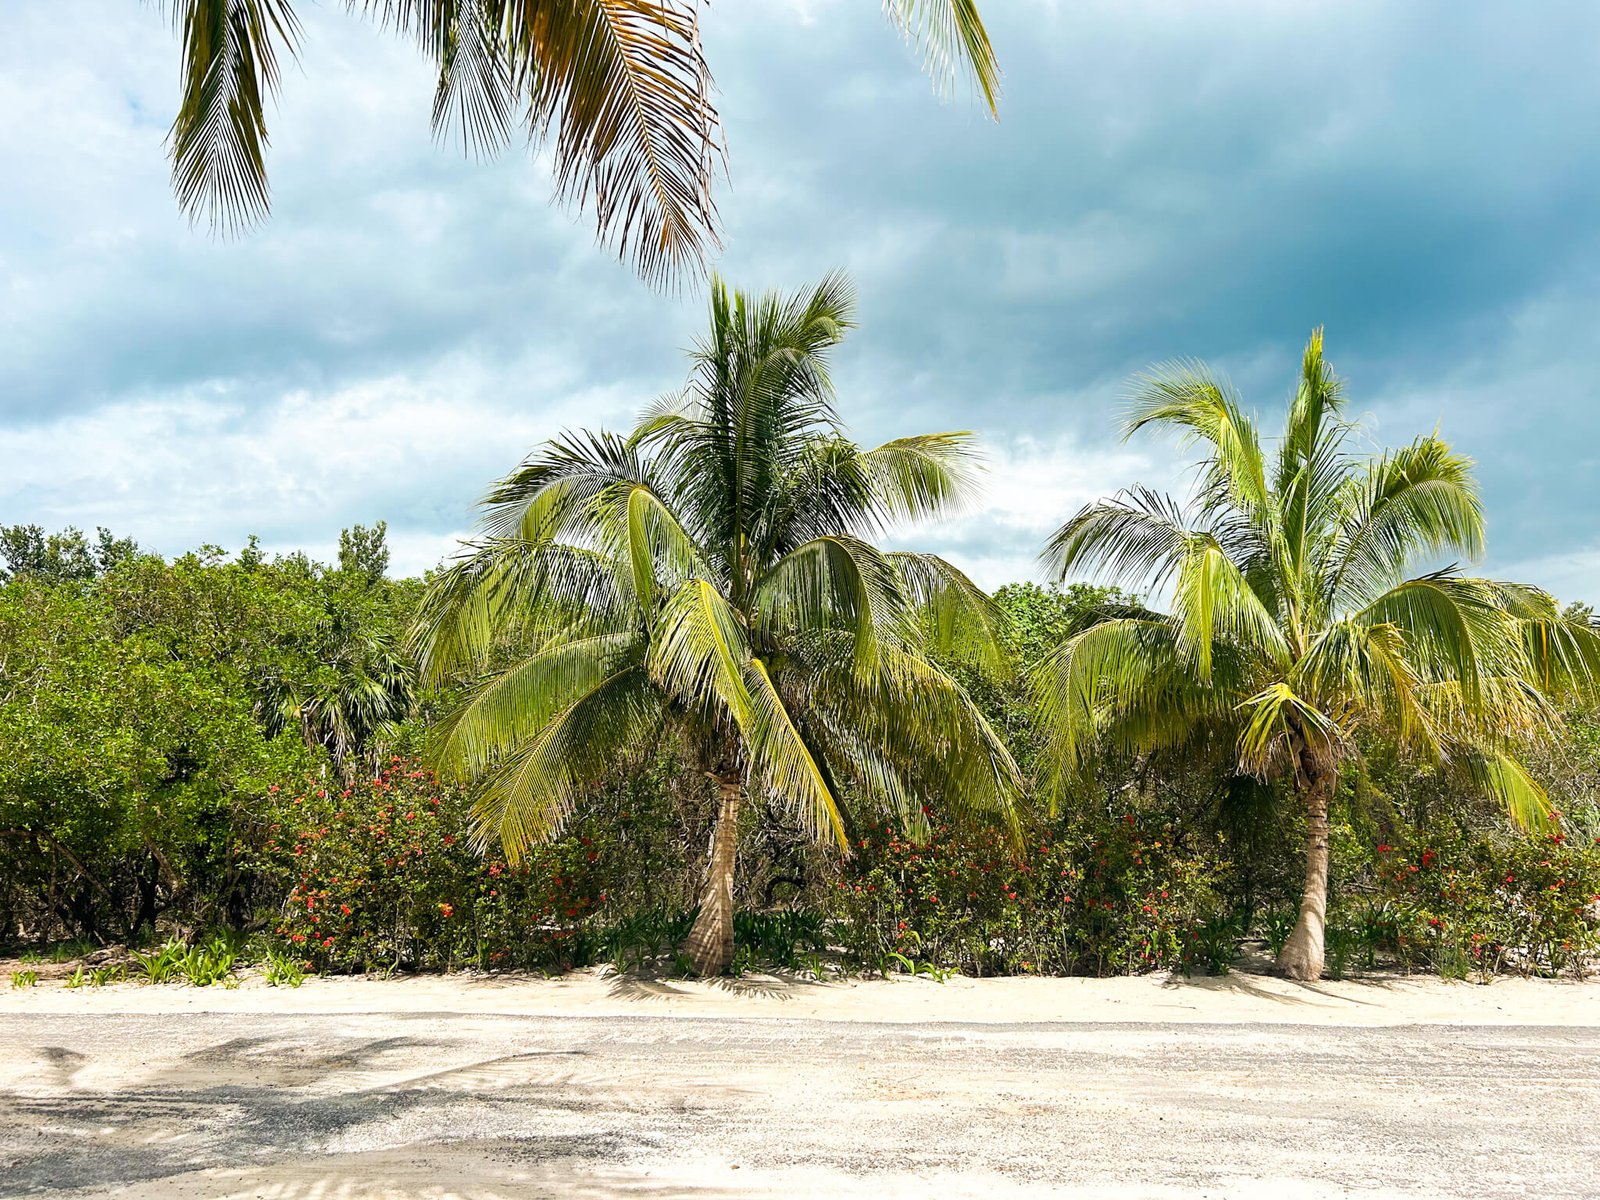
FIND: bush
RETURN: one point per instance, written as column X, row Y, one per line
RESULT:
column 1097, row 896
column 1491, row 903
column 383, row 875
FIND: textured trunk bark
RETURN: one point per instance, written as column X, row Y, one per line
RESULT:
column 1315, row 779
column 710, row 944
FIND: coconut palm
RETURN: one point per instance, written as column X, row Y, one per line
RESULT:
column 621, row 88
column 1301, row 615
column 711, row 572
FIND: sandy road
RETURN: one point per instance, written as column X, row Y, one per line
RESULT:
column 476, row 1104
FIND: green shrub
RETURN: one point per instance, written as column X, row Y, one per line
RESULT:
column 1096, row 896
column 1490, row 903
column 24, row 979
column 383, row 875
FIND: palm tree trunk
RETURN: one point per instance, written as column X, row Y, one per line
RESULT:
column 710, row 944
column 1315, row 779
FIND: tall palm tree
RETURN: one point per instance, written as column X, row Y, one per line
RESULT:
column 1298, row 618
column 711, row 572
column 621, row 88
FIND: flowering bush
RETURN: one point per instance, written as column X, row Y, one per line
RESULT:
column 382, row 875
column 1455, row 903
column 1095, row 897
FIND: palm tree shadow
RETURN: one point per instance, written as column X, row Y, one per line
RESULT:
column 1243, row 984
column 647, row 984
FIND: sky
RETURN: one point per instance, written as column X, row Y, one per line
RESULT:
column 1168, row 179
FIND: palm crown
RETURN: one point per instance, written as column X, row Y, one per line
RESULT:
column 712, row 570
column 1298, row 614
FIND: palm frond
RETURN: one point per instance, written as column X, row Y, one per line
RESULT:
column 1186, row 397
column 1508, row 781
column 930, row 476
column 1138, row 539
column 529, row 795
column 511, row 707
column 1421, row 499
column 218, row 139
column 1268, row 717
column 1213, row 600
column 507, row 589
column 834, row 583
column 962, row 622
column 953, row 41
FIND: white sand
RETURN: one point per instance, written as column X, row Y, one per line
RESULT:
column 1231, row 999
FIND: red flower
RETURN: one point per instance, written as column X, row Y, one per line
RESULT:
column 447, row 909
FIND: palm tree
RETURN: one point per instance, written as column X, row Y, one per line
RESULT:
column 621, row 88
column 711, row 573
column 1298, row 619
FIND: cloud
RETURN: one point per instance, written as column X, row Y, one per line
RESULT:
column 1166, row 180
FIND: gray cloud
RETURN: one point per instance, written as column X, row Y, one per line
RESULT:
column 1167, row 179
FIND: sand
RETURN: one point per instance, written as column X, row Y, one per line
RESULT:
column 1238, row 998
column 590, row 1087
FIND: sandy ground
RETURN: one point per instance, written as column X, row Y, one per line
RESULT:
column 592, row 1087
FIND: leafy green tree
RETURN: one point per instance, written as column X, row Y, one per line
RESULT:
column 1296, row 619
column 711, row 573
column 355, row 683
column 621, row 88
column 62, row 557
column 123, row 763
column 364, row 552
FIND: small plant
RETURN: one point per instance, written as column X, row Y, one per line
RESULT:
column 101, row 976
column 1276, row 926
column 24, row 979
column 211, row 963
column 78, row 978
column 160, row 966
column 282, row 971
column 1451, row 961
column 1214, row 945
column 1342, row 943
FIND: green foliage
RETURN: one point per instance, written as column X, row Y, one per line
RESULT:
column 282, row 970
column 383, row 875
column 65, row 557
column 211, row 962
column 24, row 979
column 1496, row 902
column 144, row 706
column 1098, row 896
column 163, row 964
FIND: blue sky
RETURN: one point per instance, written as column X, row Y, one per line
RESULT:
column 1169, row 178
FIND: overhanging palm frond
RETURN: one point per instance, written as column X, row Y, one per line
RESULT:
column 918, row 478
column 1508, row 781
column 507, row 589
column 952, row 39
column 1139, row 538
column 218, row 139
column 474, row 96
column 780, row 759
column 625, row 88
column 1214, row 601
column 961, row 621
column 834, row 583
column 1454, row 629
